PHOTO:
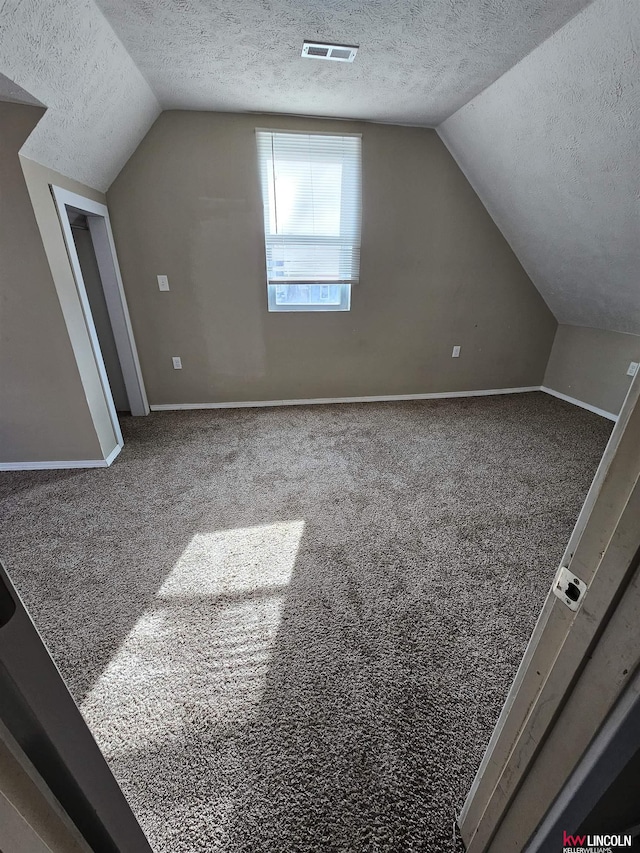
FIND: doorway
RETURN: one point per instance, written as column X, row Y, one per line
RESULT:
column 99, row 311
column 89, row 240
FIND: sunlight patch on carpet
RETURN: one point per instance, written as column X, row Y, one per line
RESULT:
column 200, row 653
column 232, row 561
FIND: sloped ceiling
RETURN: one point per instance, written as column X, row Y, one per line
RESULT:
column 99, row 106
column 419, row 60
column 12, row 93
column 552, row 147
column 553, row 150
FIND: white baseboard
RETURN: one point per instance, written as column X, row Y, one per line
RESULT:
column 609, row 415
column 60, row 465
column 252, row 404
column 174, row 407
column 170, row 407
column 113, row 455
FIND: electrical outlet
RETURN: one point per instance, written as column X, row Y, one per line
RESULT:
column 456, row 352
column 633, row 368
column 163, row 282
column 177, row 362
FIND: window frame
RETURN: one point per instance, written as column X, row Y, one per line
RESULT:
column 353, row 177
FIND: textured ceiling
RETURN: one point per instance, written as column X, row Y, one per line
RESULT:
column 552, row 146
column 10, row 91
column 419, row 60
column 99, row 106
column 553, row 150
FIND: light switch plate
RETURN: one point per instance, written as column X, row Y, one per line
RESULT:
column 633, row 368
column 569, row 588
column 177, row 362
column 456, row 352
column 163, row 282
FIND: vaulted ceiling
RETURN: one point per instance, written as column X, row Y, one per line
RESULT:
column 64, row 54
column 11, row 92
column 553, row 151
column 419, row 60
column 105, row 68
column 538, row 100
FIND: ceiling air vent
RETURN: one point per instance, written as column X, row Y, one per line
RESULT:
column 335, row 52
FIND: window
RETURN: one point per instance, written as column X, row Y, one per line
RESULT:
column 312, row 211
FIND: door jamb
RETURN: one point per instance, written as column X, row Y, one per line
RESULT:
column 106, row 256
column 608, row 754
column 548, row 669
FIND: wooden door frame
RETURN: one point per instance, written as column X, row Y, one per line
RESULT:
column 562, row 639
column 615, row 744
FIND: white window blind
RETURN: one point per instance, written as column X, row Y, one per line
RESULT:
column 312, row 208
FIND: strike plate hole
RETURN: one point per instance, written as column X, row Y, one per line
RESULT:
column 572, row 592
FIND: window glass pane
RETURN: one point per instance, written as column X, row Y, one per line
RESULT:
column 309, row 297
column 308, row 294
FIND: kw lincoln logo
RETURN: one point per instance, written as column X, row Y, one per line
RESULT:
column 594, row 843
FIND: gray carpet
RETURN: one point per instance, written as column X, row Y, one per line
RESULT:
column 293, row 629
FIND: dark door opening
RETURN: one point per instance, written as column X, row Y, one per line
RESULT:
column 95, row 294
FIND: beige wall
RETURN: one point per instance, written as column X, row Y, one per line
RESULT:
column 43, row 409
column 591, row 365
column 38, row 179
column 435, row 272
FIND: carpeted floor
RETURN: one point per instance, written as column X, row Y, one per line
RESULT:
column 292, row 629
